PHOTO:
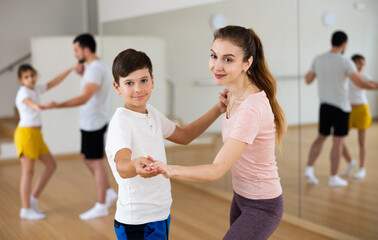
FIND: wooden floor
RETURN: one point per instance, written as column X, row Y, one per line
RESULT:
column 196, row 215
column 352, row 209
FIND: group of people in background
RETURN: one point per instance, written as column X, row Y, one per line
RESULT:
column 343, row 105
column 95, row 103
column 252, row 124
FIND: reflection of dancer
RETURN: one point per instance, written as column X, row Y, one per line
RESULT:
column 136, row 131
column 29, row 141
column 96, row 103
column 253, row 119
column 332, row 69
column 359, row 118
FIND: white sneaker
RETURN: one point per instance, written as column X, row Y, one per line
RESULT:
column 360, row 174
column 31, row 214
column 336, row 181
column 351, row 165
column 310, row 176
column 34, row 204
column 111, row 196
column 99, row 210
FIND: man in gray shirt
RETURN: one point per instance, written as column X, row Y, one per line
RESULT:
column 332, row 69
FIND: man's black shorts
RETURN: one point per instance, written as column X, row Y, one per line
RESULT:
column 92, row 143
column 333, row 117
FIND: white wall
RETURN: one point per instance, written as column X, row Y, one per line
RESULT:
column 362, row 30
column 189, row 37
column 22, row 19
column 156, row 49
column 61, row 126
column 111, row 10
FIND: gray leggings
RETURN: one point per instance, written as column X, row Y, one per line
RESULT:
column 254, row 219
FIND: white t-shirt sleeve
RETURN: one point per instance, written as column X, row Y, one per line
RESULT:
column 119, row 137
column 93, row 75
column 350, row 67
column 167, row 126
column 22, row 95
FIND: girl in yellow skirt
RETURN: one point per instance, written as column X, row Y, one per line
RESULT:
column 359, row 118
column 28, row 138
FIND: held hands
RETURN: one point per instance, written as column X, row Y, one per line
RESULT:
column 79, row 68
column 48, row 105
column 223, row 101
column 148, row 167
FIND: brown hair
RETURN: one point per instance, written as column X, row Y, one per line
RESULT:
column 357, row 57
column 86, row 40
column 258, row 73
column 24, row 68
column 129, row 61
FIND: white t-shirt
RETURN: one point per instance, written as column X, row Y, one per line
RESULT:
column 331, row 70
column 140, row 200
column 357, row 96
column 96, row 112
column 28, row 116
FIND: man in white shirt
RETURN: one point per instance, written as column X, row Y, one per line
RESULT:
column 95, row 103
column 332, row 69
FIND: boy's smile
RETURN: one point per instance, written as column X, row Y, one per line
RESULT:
column 135, row 89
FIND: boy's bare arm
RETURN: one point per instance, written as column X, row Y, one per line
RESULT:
column 128, row 168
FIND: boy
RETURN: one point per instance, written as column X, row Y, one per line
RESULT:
column 136, row 132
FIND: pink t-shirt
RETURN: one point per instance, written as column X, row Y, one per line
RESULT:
column 254, row 174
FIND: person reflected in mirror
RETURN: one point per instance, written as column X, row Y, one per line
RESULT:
column 332, row 70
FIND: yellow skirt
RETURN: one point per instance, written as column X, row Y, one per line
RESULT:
column 360, row 117
column 29, row 142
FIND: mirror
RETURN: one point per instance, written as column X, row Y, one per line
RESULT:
column 350, row 209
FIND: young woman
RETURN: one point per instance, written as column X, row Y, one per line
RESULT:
column 253, row 119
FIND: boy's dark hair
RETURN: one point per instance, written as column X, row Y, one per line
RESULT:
column 357, row 57
column 338, row 38
column 129, row 61
column 86, row 40
column 24, row 68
